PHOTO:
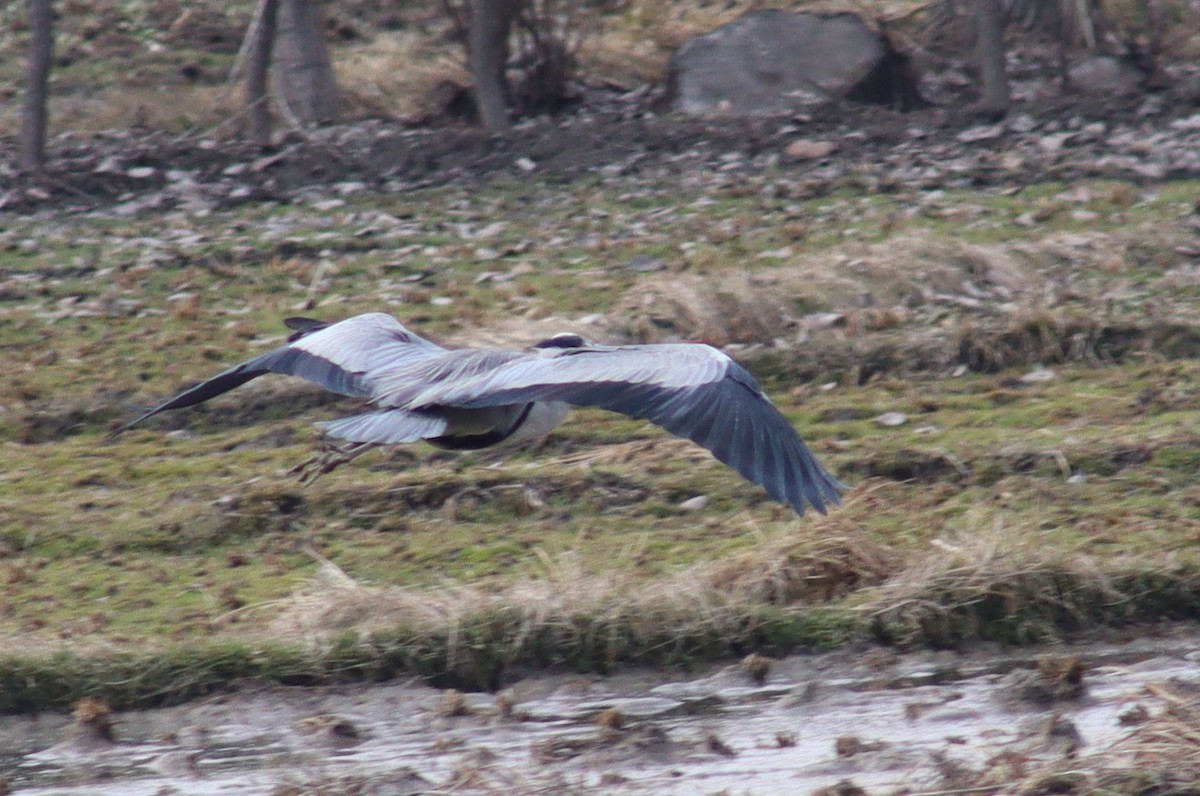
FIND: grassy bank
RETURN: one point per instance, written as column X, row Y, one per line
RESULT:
column 1041, row 481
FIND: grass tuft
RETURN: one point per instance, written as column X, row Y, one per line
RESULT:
column 1004, row 586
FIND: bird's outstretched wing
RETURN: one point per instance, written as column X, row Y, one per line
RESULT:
column 693, row 391
column 338, row 356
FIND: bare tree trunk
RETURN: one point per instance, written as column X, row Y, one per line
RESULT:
column 303, row 69
column 33, row 111
column 487, row 43
column 989, row 47
column 258, row 72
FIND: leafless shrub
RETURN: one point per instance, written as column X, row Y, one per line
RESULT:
column 951, row 23
column 543, row 41
column 549, row 35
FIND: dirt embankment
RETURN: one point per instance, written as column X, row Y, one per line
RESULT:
column 622, row 136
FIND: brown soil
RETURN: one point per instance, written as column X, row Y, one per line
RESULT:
column 622, row 136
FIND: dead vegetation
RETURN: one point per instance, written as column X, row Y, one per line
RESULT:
column 1160, row 754
column 1003, row 585
column 872, row 310
column 1035, row 342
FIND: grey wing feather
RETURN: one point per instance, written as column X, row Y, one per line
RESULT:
column 692, row 391
column 407, row 384
column 338, row 357
column 385, row 427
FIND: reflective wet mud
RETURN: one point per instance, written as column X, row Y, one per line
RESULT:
column 878, row 719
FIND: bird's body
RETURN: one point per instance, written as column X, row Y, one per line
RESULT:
column 468, row 399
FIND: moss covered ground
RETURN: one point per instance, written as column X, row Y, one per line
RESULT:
column 1046, row 371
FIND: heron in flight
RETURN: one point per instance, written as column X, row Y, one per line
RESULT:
column 469, row 399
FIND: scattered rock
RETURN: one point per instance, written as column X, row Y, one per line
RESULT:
column 982, row 133
column 645, row 264
column 1106, row 74
column 892, row 419
column 808, row 149
column 1038, row 376
column 698, row 503
column 823, row 320
column 772, row 61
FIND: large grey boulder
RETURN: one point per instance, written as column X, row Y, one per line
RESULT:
column 773, row 61
column 1106, row 74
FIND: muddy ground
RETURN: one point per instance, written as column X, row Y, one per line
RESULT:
column 917, row 722
column 856, row 720
column 624, row 137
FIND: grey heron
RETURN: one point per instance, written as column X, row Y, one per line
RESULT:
column 468, row 399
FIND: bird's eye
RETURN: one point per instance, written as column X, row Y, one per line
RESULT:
column 565, row 340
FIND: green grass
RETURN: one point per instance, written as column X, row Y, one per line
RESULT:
column 152, row 544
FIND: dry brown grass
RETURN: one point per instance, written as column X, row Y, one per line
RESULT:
column 397, row 74
column 182, row 108
column 998, row 583
column 1162, row 752
column 1160, row 755
column 565, row 607
column 918, row 302
column 791, row 570
column 760, row 306
column 1003, row 583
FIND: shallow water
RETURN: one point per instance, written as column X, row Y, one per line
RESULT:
column 901, row 719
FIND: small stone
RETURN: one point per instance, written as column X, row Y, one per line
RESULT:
column 822, row 320
column 1187, row 123
column 808, row 149
column 526, row 165
column 892, row 419
column 1038, row 376
column 981, row 133
column 1022, row 124
column 645, row 264
column 1054, row 142
column 698, row 503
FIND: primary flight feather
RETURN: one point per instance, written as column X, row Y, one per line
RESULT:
column 478, row 398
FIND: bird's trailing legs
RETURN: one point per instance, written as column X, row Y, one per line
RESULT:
column 332, row 455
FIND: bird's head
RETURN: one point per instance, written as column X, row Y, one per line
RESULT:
column 563, row 340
